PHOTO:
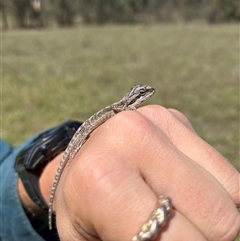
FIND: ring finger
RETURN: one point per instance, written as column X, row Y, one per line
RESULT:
column 115, row 202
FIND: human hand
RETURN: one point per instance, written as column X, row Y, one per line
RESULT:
column 110, row 188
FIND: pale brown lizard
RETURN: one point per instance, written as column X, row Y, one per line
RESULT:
column 132, row 100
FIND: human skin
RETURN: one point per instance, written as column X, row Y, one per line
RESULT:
column 111, row 187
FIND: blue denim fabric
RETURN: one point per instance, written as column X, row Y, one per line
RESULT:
column 14, row 224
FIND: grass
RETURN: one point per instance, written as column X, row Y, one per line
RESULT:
column 50, row 75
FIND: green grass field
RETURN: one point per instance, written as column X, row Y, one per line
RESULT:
column 50, row 75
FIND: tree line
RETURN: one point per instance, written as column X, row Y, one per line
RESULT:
column 41, row 13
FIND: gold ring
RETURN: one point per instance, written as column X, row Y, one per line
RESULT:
column 158, row 218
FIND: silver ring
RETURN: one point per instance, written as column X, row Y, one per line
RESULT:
column 158, row 218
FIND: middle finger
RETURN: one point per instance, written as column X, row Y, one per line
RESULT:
column 195, row 192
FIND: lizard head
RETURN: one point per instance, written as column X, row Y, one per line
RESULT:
column 137, row 95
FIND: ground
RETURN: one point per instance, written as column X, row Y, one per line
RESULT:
column 50, row 75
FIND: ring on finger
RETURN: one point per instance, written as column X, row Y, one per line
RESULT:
column 158, row 218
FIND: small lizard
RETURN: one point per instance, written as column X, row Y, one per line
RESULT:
column 133, row 99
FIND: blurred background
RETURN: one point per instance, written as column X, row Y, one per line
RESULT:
column 42, row 13
column 67, row 59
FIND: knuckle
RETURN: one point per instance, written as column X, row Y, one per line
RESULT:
column 178, row 114
column 156, row 113
column 181, row 117
column 171, row 119
column 94, row 170
column 128, row 121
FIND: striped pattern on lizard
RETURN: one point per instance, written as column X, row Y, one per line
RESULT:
column 132, row 100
